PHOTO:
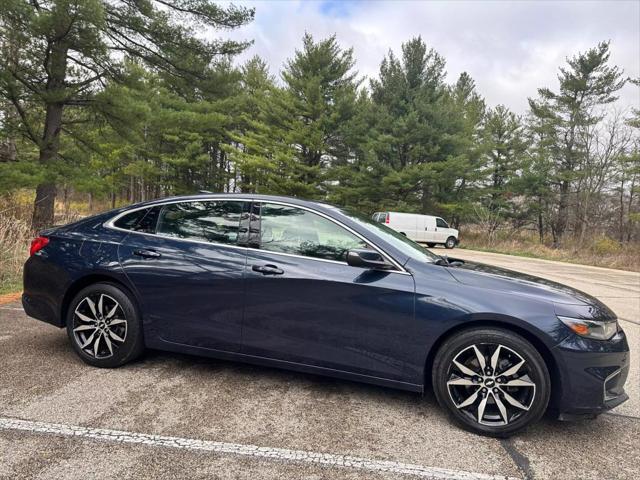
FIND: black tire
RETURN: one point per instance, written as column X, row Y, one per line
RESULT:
column 450, row 243
column 431, row 245
column 85, row 319
column 500, row 417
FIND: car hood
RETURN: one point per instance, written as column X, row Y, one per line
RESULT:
column 496, row 278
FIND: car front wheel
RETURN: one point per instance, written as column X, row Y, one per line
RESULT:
column 491, row 381
column 450, row 243
column 103, row 326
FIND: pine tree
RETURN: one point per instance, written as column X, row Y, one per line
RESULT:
column 586, row 85
column 420, row 130
column 69, row 49
column 262, row 147
column 505, row 147
column 322, row 91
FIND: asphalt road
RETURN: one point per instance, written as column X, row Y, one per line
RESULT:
column 176, row 416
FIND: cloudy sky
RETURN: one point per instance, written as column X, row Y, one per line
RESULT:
column 509, row 47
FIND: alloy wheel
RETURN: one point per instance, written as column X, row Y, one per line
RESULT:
column 491, row 384
column 99, row 325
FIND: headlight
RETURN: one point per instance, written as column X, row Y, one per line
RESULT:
column 597, row 330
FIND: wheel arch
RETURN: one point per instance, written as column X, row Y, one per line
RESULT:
column 90, row 279
column 538, row 344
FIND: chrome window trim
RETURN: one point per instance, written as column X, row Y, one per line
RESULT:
column 110, row 224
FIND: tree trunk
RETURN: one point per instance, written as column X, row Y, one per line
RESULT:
column 426, row 198
column 540, row 222
column 583, row 214
column 621, row 217
column 65, row 201
column 43, row 206
column 563, row 213
column 46, row 191
column 630, row 207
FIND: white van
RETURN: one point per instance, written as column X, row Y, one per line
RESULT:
column 420, row 228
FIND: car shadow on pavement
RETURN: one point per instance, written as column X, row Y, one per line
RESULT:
column 317, row 383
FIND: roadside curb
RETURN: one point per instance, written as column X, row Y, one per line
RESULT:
column 10, row 297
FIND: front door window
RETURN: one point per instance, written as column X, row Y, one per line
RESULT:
column 286, row 229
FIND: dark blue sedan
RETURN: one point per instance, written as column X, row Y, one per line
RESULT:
column 316, row 288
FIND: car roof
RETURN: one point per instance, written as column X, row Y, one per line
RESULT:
column 252, row 196
column 314, row 204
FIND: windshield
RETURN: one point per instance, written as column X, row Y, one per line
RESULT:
column 399, row 241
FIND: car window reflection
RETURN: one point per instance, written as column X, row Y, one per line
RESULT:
column 297, row 231
column 210, row 221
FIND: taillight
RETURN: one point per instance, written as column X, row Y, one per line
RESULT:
column 386, row 218
column 38, row 244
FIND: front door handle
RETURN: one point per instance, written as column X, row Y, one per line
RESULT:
column 267, row 269
column 147, row 253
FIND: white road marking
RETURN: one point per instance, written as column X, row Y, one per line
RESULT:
column 279, row 454
column 12, row 308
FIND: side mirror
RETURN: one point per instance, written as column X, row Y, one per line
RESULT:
column 364, row 258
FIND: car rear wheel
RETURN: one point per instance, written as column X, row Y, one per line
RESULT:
column 431, row 245
column 104, row 327
column 491, row 381
column 450, row 243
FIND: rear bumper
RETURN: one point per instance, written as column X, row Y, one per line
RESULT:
column 40, row 309
column 43, row 286
column 593, row 374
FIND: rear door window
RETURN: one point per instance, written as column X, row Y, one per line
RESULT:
column 208, row 221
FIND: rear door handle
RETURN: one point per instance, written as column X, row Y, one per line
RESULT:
column 267, row 269
column 147, row 253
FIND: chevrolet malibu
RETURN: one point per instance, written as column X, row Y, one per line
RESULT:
column 320, row 289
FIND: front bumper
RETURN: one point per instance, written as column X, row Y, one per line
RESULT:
column 592, row 375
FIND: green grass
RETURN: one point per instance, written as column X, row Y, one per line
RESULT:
column 11, row 286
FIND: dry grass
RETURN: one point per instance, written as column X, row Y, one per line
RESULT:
column 15, row 237
column 598, row 251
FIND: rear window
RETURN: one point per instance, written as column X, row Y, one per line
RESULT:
column 143, row 220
